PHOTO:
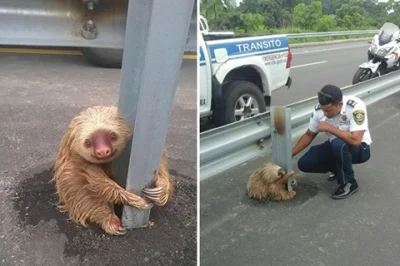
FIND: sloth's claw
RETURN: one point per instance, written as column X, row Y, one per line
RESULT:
column 153, row 192
column 113, row 226
column 122, row 231
column 157, row 195
column 156, row 190
column 152, row 198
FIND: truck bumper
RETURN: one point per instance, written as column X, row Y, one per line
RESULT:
column 289, row 82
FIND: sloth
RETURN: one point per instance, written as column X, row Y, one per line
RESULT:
column 268, row 182
column 85, row 185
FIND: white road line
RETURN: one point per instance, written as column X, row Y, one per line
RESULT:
column 331, row 49
column 310, row 64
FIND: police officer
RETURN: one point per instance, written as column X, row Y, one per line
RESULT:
column 344, row 120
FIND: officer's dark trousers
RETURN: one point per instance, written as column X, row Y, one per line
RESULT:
column 336, row 157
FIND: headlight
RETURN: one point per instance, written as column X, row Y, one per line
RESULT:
column 373, row 48
column 382, row 52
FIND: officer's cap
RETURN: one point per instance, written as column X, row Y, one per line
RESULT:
column 330, row 94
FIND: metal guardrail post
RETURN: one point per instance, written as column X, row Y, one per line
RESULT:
column 155, row 38
column 281, row 138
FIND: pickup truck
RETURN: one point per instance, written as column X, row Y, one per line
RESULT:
column 237, row 75
column 205, row 30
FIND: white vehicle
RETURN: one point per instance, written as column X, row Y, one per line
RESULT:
column 237, row 75
column 204, row 29
column 383, row 54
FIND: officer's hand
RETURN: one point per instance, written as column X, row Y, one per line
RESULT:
column 323, row 127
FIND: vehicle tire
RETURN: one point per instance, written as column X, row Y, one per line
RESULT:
column 232, row 94
column 363, row 74
column 108, row 58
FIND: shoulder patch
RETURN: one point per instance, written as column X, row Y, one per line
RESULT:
column 317, row 107
column 359, row 116
column 352, row 103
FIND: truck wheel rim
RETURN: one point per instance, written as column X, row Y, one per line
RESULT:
column 245, row 107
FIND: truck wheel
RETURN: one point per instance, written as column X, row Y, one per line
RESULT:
column 108, row 58
column 243, row 99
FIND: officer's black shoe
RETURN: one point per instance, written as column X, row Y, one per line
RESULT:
column 345, row 191
column 331, row 177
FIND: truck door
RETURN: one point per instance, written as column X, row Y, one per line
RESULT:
column 205, row 78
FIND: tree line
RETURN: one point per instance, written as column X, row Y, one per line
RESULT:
column 294, row 16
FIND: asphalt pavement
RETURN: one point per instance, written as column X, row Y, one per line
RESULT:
column 312, row 229
column 39, row 95
column 315, row 66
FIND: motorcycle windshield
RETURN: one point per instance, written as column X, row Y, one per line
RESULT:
column 386, row 32
column 384, row 38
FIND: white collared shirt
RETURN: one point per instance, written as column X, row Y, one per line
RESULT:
column 352, row 117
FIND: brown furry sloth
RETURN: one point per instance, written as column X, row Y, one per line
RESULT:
column 268, row 182
column 82, row 174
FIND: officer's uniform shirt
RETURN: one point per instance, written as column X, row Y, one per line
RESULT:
column 352, row 117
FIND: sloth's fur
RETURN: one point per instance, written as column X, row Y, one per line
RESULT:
column 85, row 185
column 268, row 182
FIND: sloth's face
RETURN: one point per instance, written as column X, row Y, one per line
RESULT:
column 272, row 172
column 102, row 146
column 281, row 172
column 100, row 134
column 278, row 173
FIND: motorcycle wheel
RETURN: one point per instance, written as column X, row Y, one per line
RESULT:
column 364, row 74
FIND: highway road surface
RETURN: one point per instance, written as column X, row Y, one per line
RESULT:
column 315, row 66
column 312, row 229
column 39, row 95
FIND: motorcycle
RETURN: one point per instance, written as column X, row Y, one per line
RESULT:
column 383, row 54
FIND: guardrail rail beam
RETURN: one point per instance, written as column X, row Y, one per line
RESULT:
column 60, row 23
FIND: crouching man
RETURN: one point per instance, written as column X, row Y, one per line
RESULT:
column 345, row 121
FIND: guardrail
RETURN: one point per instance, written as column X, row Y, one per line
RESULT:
column 227, row 146
column 330, row 34
column 97, row 28
column 71, row 23
column 302, row 35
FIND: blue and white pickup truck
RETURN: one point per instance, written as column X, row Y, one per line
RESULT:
column 237, row 75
